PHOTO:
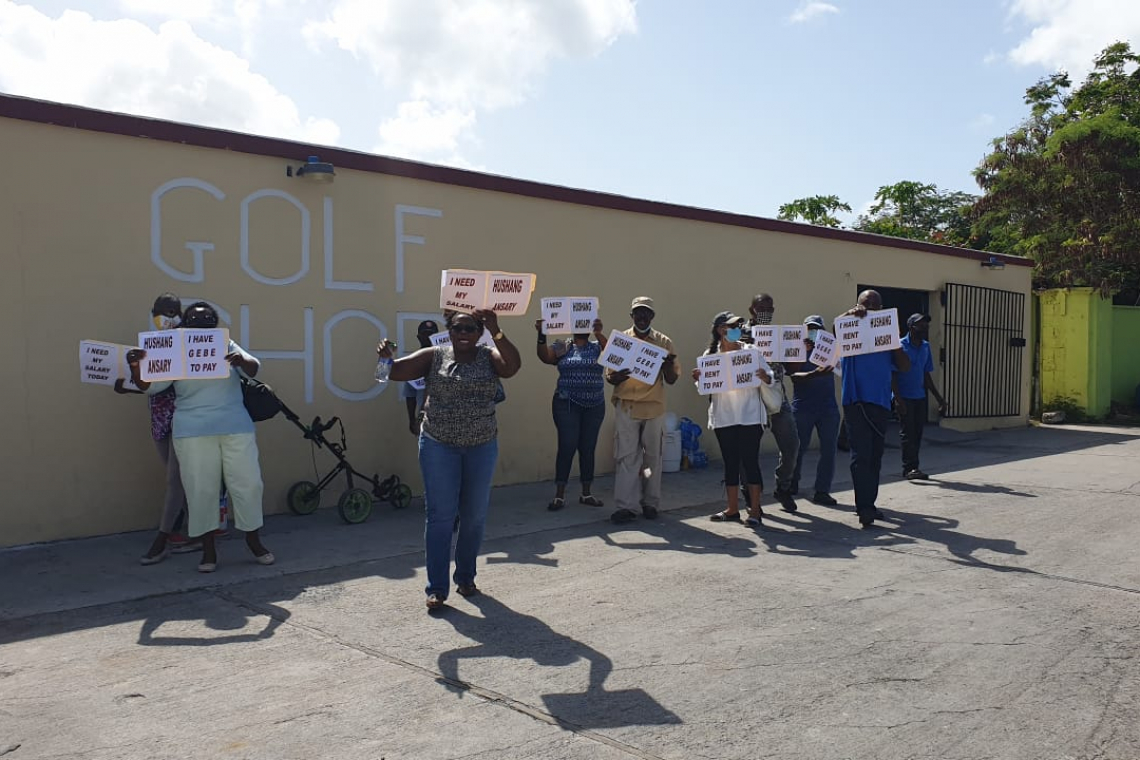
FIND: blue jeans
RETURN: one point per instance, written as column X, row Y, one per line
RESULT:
column 457, row 481
column 578, row 428
column 825, row 421
column 866, row 425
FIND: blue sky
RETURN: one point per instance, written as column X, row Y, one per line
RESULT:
column 723, row 104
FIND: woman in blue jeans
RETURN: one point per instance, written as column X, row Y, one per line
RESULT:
column 813, row 402
column 458, row 441
column 579, row 407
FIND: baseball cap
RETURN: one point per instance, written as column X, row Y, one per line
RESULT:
column 914, row 319
column 428, row 325
column 642, row 302
column 726, row 318
column 814, row 321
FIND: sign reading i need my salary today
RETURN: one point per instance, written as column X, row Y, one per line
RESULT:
column 780, row 343
column 467, row 290
column 568, row 315
column 643, row 360
column 878, row 331
column 185, row 355
column 728, row 371
column 103, row 363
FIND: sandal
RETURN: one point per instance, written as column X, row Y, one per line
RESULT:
column 753, row 521
column 556, row 504
column 726, row 516
column 591, row 500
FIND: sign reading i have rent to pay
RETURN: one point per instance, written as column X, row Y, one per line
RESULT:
column 729, row 371
column 568, row 315
column 185, row 354
column 878, row 331
column 103, row 363
column 780, row 343
column 643, row 360
column 467, row 290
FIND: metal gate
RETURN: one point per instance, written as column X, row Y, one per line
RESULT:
column 982, row 353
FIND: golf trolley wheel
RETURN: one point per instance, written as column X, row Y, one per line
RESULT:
column 400, row 497
column 303, row 498
column 355, row 505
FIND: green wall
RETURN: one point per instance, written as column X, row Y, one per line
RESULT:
column 1125, row 353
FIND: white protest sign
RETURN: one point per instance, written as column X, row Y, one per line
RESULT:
column 419, row 384
column 826, row 351
column 780, row 343
column 729, row 371
column 792, row 348
column 185, row 355
column 643, row 360
column 502, row 292
column 103, row 363
column 568, row 315
column 878, row 331
column 444, row 339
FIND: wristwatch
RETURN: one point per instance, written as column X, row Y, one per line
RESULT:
column 498, row 335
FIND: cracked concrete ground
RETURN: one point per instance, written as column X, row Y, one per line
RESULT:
column 996, row 615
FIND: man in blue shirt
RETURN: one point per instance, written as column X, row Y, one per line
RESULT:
column 866, row 408
column 910, row 389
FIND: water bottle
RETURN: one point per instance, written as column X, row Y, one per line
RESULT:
column 383, row 369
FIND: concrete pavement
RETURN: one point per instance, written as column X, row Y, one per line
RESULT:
column 997, row 615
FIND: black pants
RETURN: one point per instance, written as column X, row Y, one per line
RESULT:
column 911, row 421
column 866, row 424
column 740, row 449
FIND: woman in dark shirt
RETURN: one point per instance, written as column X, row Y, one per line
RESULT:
column 579, row 407
column 813, row 402
column 458, row 441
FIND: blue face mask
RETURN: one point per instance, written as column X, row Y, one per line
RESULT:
column 734, row 334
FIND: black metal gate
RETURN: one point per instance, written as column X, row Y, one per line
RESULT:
column 983, row 350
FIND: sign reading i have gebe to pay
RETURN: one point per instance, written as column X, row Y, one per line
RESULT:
column 185, row 355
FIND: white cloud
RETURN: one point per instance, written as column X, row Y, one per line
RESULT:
column 450, row 60
column 981, row 122
column 809, row 9
column 991, row 58
column 1068, row 34
column 125, row 66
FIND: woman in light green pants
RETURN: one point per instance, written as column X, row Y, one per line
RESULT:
column 215, row 444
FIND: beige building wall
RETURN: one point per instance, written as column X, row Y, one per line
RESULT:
column 95, row 225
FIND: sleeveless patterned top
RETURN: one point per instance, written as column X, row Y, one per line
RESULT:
column 459, row 399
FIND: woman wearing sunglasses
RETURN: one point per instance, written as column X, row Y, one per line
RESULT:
column 458, row 440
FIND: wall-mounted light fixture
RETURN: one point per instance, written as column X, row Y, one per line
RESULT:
column 313, row 170
column 993, row 262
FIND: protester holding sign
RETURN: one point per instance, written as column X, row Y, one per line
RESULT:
column 413, row 392
column 737, row 417
column 166, row 314
column 579, row 407
column 215, row 443
column 910, row 393
column 781, row 419
column 639, row 427
column 866, row 408
column 813, row 402
column 458, row 441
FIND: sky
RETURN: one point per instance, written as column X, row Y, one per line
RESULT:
column 737, row 105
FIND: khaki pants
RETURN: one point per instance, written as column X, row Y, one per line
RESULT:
column 637, row 445
column 209, row 460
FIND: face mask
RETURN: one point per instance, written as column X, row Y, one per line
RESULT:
column 163, row 322
column 764, row 317
column 812, row 334
column 639, row 331
column 734, row 334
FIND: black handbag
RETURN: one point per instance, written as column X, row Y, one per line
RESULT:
column 259, row 399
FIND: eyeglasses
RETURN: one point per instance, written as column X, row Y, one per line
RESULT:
column 465, row 328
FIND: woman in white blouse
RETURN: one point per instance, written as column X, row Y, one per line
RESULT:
column 737, row 417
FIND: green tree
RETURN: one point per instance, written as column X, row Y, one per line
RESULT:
column 818, row 209
column 1063, row 188
column 920, row 211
